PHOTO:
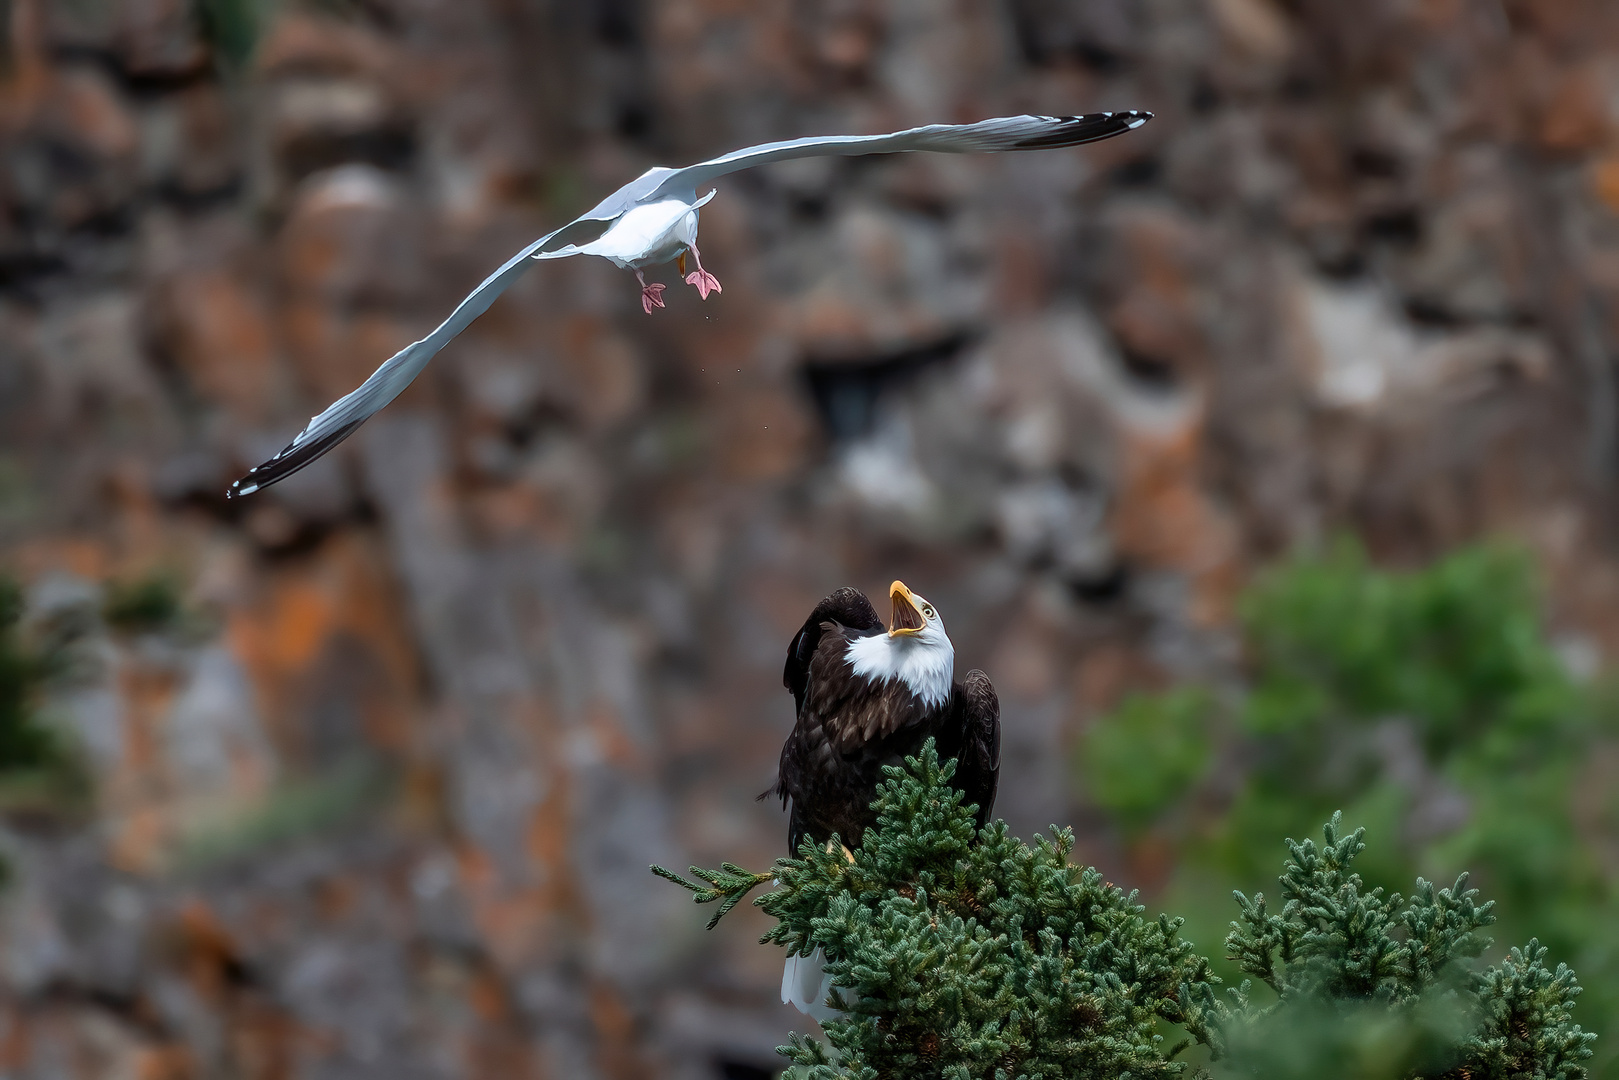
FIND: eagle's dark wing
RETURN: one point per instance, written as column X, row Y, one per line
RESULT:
column 970, row 732
column 985, row 136
column 846, row 607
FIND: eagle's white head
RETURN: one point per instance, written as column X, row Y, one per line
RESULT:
column 916, row 650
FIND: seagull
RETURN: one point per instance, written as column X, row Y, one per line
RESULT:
column 653, row 220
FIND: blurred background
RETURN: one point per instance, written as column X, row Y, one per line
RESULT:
column 1264, row 457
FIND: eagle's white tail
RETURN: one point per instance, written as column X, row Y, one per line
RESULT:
column 805, row 984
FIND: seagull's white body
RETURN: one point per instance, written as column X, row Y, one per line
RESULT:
column 645, row 235
column 652, row 220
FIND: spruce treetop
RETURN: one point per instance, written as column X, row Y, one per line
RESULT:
column 964, row 954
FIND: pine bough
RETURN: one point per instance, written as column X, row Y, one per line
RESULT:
column 961, row 954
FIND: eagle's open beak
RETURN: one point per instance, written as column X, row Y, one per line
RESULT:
column 907, row 614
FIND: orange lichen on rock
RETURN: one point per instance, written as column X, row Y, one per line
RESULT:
column 1165, row 519
column 334, row 617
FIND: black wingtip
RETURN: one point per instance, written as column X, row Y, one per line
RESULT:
column 1091, row 127
column 293, row 456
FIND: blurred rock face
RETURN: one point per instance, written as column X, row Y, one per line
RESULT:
column 383, row 806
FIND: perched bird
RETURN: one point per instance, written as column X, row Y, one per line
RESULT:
column 867, row 696
column 653, row 220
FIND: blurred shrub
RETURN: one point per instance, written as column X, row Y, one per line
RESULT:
column 23, row 742
column 1456, row 649
column 234, row 28
column 40, row 775
column 145, row 605
column 1428, row 703
column 1148, row 754
column 231, row 28
column 294, row 810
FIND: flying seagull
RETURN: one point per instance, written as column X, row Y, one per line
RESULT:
column 652, row 220
column 867, row 696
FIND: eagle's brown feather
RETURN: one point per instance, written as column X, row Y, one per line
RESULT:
column 849, row 726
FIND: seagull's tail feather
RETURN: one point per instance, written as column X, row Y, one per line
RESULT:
column 347, row 413
column 805, row 985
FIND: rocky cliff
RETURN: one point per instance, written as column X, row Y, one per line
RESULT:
column 380, row 801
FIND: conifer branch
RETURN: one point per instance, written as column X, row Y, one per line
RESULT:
column 729, row 884
column 957, row 953
column 1382, row 983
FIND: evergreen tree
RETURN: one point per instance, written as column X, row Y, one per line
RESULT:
column 1368, row 984
column 1431, row 704
column 23, row 742
column 41, row 774
column 961, row 954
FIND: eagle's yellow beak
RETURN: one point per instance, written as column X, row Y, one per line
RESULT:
column 908, row 607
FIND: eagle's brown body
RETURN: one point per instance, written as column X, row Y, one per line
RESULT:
column 850, row 725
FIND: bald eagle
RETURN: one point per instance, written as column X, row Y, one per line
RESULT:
column 866, row 696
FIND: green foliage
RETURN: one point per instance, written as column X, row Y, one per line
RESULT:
column 293, row 810
column 1144, row 757
column 1455, row 655
column 1370, row 984
column 1457, row 649
column 729, row 885
column 957, row 953
column 1349, row 664
column 23, row 742
column 964, row 954
column 145, row 605
column 1429, row 703
column 231, row 28
column 1337, row 939
column 40, row 776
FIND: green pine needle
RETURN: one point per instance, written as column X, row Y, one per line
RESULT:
column 960, row 954
column 729, row 884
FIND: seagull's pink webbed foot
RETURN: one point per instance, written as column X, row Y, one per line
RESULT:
column 701, row 279
column 651, row 295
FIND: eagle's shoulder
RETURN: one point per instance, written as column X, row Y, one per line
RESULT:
column 848, row 607
column 842, row 701
column 975, row 702
column 846, row 610
column 970, row 732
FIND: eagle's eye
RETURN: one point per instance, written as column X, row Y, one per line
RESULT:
column 927, row 611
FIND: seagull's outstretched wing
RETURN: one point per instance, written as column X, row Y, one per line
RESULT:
column 386, row 383
column 986, row 136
